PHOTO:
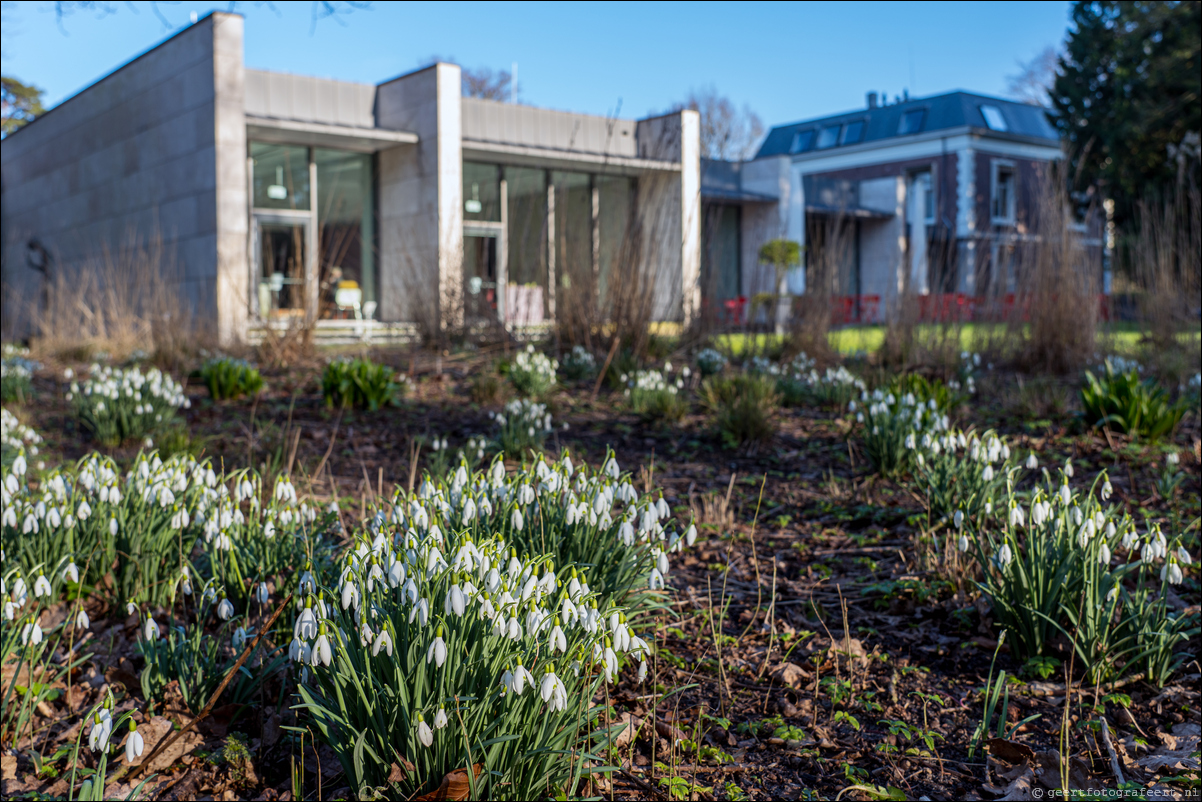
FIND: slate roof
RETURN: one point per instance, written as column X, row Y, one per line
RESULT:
column 953, row 110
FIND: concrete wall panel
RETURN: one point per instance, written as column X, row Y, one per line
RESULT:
column 135, row 157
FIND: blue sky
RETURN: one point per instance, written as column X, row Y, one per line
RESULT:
column 787, row 61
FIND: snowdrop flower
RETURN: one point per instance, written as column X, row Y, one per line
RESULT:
column 225, row 609
column 102, row 728
column 516, row 519
column 1171, row 572
column 609, row 662
column 1017, row 518
column 1068, row 467
column 963, row 543
column 262, row 594
column 1004, row 555
column 41, row 586
column 424, row 734
column 557, row 640
column 521, row 677
column 81, row 619
column 553, row 691
column 420, row 612
column 321, row 650
column 1107, row 490
column 1104, row 555
column 440, row 718
column 150, row 630
column 437, row 651
column 656, row 581
column 382, row 641
column 134, row 743
column 1183, row 556
column 31, row 633
column 958, row 519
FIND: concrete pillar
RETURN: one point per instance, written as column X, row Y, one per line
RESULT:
column 421, row 203
column 690, row 215
column 966, row 218
column 234, row 280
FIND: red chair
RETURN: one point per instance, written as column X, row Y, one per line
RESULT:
column 736, row 308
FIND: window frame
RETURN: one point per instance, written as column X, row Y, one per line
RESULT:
column 793, row 148
column 843, row 140
column 922, row 121
column 996, row 168
column 1001, row 118
column 837, row 128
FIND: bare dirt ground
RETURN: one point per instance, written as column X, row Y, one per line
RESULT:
column 813, row 644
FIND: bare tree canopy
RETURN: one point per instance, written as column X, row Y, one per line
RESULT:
column 481, row 82
column 726, row 131
column 319, row 10
column 1033, row 81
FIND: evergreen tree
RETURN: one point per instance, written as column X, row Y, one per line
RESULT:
column 1126, row 98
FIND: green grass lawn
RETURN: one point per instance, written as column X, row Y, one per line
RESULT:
column 1119, row 338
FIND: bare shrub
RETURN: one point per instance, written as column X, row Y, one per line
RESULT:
column 120, row 301
column 1164, row 259
column 1054, row 321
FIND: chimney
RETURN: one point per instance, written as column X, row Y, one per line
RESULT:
column 872, row 100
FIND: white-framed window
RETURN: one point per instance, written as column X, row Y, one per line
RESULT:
column 1002, row 192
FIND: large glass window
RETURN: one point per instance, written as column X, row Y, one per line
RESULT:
column 281, row 176
column 616, row 246
column 527, row 240
column 720, row 277
column 481, row 192
column 346, row 232
column 573, row 229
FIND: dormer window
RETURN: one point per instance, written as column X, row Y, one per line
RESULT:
column 853, row 132
column 802, row 141
column 829, row 137
column 911, row 122
column 994, row 119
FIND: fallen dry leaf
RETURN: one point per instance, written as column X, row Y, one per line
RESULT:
column 790, row 674
column 454, row 786
column 1177, row 752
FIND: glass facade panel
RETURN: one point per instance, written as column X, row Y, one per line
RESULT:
column 720, row 275
column 573, row 231
column 616, row 246
column 346, row 232
column 281, row 176
column 481, row 192
column 527, row 241
column 281, row 269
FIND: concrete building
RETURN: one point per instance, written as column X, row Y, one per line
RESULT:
column 389, row 210
column 926, row 195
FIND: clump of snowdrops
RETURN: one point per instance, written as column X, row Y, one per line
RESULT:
column 119, row 404
column 959, row 472
column 522, row 425
column 16, row 373
column 710, row 361
column 655, row 395
column 457, row 634
column 89, row 520
column 1068, row 563
column 16, row 439
column 889, row 422
column 579, row 363
column 532, row 373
